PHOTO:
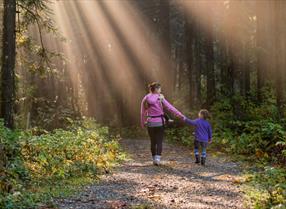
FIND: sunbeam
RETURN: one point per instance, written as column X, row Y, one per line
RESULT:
column 109, row 49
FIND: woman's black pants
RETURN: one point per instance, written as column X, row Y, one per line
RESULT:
column 156, row 135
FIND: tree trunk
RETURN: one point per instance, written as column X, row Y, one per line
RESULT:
column 233, row 44
column 166, row 68
column 210, row 62
column 198, row 66
column 190, row 59
column 245, row 73
column 261, row 12
column 8, row 63
column 279, row 7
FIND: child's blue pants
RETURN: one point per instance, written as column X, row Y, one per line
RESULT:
column 203, row 145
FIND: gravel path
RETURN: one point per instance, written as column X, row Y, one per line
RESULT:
column 178, row 183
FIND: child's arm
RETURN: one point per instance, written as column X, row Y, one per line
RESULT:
column 190, row 122
column 210, row 133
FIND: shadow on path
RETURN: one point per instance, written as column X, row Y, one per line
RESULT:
column 178, row 183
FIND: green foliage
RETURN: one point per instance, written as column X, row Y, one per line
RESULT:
column 67, row 153
column 267, row 188
column 51, row 115
column 130, row 132
column 183, row 135
column 142, row 206
column 254, row 130
column 35, row 163
column 257, row 133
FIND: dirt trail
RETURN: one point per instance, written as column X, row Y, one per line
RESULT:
column 178, row 183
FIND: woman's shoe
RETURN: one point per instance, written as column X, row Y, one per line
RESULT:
column 156, row 160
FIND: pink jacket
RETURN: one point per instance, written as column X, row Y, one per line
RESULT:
column 155, row 107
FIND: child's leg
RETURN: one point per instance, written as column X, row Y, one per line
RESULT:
column 196, row 151
column 204, row 152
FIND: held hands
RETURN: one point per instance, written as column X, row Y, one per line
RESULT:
column 182, row 117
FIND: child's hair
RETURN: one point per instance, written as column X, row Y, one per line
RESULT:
column 205, row 113
column 153, row 86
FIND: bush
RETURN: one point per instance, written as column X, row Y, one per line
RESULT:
column 84, row 150
column 258, row 132
column 68, row 153
column 183, row 135
column 255, row 131
column 267, row 188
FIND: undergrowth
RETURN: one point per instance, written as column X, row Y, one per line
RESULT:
column 37, row 166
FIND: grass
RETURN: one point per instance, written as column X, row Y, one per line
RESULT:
column 61, row 188
column 142, row 206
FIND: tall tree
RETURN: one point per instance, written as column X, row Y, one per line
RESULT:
column 245, row 73
column 232, row 43
column 165, row 51
column 193, row 58
column 210, row 61
column 190, row 57
column 280, row 46
column 8, row 62
column 261, row 12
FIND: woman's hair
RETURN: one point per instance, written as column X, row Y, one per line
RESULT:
column 205, row 113
column 153, row 86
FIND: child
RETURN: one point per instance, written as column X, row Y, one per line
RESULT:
column 203, row 134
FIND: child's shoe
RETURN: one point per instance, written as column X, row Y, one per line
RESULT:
column 197, row 159
column 203, row 160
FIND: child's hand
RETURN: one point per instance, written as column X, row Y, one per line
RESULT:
column 210, row 141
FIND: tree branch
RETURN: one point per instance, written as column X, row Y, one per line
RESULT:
column 37, row 17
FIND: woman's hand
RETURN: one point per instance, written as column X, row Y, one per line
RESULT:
column 161, row 97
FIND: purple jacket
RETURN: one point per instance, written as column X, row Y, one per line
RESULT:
column 203, row 129
column 152, row 105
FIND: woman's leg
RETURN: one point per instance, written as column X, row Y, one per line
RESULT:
column 152, row 135
column 159, row 140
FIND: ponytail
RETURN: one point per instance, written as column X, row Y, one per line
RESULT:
column 153, row 86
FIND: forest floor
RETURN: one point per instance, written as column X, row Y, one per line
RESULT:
column 177, row 183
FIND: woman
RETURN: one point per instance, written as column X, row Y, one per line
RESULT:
column 152, row 116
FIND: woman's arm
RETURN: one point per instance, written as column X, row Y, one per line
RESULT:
column 143, row 111
column 171, row 108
